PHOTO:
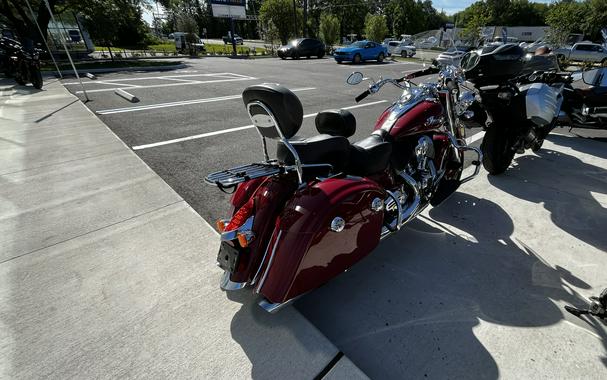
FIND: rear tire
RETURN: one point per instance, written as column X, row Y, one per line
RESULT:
column 21, row 75
column 357, row 59
column 497, row 150
column 320, row 54
column 604, row 63
column 36, row 78
column 380, row 57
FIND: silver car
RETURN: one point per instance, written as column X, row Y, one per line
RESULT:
column 401, row 48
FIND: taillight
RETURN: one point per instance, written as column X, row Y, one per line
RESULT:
column 241, row 216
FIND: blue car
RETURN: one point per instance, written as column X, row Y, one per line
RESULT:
column 361, row 51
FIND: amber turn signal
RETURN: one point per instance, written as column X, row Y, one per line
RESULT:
column 221, row 226
column 244, row 239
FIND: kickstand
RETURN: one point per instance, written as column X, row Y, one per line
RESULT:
column 597, row 307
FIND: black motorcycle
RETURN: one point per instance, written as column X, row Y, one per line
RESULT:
column 20, row 64
column 586, row 106
column 522, row 95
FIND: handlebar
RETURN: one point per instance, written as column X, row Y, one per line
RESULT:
column 362, row 96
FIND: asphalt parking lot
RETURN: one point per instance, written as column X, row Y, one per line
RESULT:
column 191, row 122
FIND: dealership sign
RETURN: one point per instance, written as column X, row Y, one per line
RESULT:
column 229, row 8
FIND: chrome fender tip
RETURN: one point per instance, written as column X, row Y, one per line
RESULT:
column 273, row 307
column 226, row 285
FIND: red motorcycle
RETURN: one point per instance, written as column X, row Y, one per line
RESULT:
column 323, row 204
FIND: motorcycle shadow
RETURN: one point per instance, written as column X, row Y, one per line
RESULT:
column 588, row 145
column 267, row 340
column 564, row 184
column 8, row 86
column 412, row 308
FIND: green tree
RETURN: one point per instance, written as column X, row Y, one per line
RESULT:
column 18, row 17
column 279, row 13
column 563, row 18
column 406, row 17
column 596, row 18
column 375, row 27
column 478, row 15
column 123, row 18
column 113, row 23
column 329, row 29
column 351, row 14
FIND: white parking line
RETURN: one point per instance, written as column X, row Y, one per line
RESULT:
column 203, row 135
column 171, row 84
column 475, row 137
column 181, row 103
column 232, row 75
column 179, row 80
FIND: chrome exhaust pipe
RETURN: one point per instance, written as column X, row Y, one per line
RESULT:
column 412, row 210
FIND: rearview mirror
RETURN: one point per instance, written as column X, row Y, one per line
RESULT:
column 595, row 77
column 355, row 78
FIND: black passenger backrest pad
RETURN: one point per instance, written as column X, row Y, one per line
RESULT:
column 283, row 105
column 336, row 123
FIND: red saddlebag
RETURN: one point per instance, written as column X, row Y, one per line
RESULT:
column 310, row 245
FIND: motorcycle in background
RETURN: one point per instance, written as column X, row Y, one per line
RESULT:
column 324, row 203
column 523, row 96
column 586, row 107
column 20, row 64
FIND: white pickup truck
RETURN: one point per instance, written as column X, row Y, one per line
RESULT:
column 583, row 51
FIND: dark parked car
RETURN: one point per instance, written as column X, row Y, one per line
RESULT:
column 302, row 47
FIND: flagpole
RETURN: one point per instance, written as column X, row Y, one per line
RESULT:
column 67, row 52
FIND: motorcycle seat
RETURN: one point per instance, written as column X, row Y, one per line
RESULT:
column 593, row 95
column 319, row 149
column 369, row 155
column 335, row 123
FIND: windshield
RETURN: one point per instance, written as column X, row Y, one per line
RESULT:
column 295, row 42
column 358, row 44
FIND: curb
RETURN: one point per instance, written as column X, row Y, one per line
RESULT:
column 118, row 69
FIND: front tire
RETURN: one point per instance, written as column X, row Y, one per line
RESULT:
column 497, row 150
column 404, row 54
column 357, row 59
column 380, row 57
column 604, row 63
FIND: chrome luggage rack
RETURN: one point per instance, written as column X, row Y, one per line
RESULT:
column 234, row 176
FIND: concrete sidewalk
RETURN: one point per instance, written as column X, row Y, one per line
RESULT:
column 475, row 288
column 106, row 272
